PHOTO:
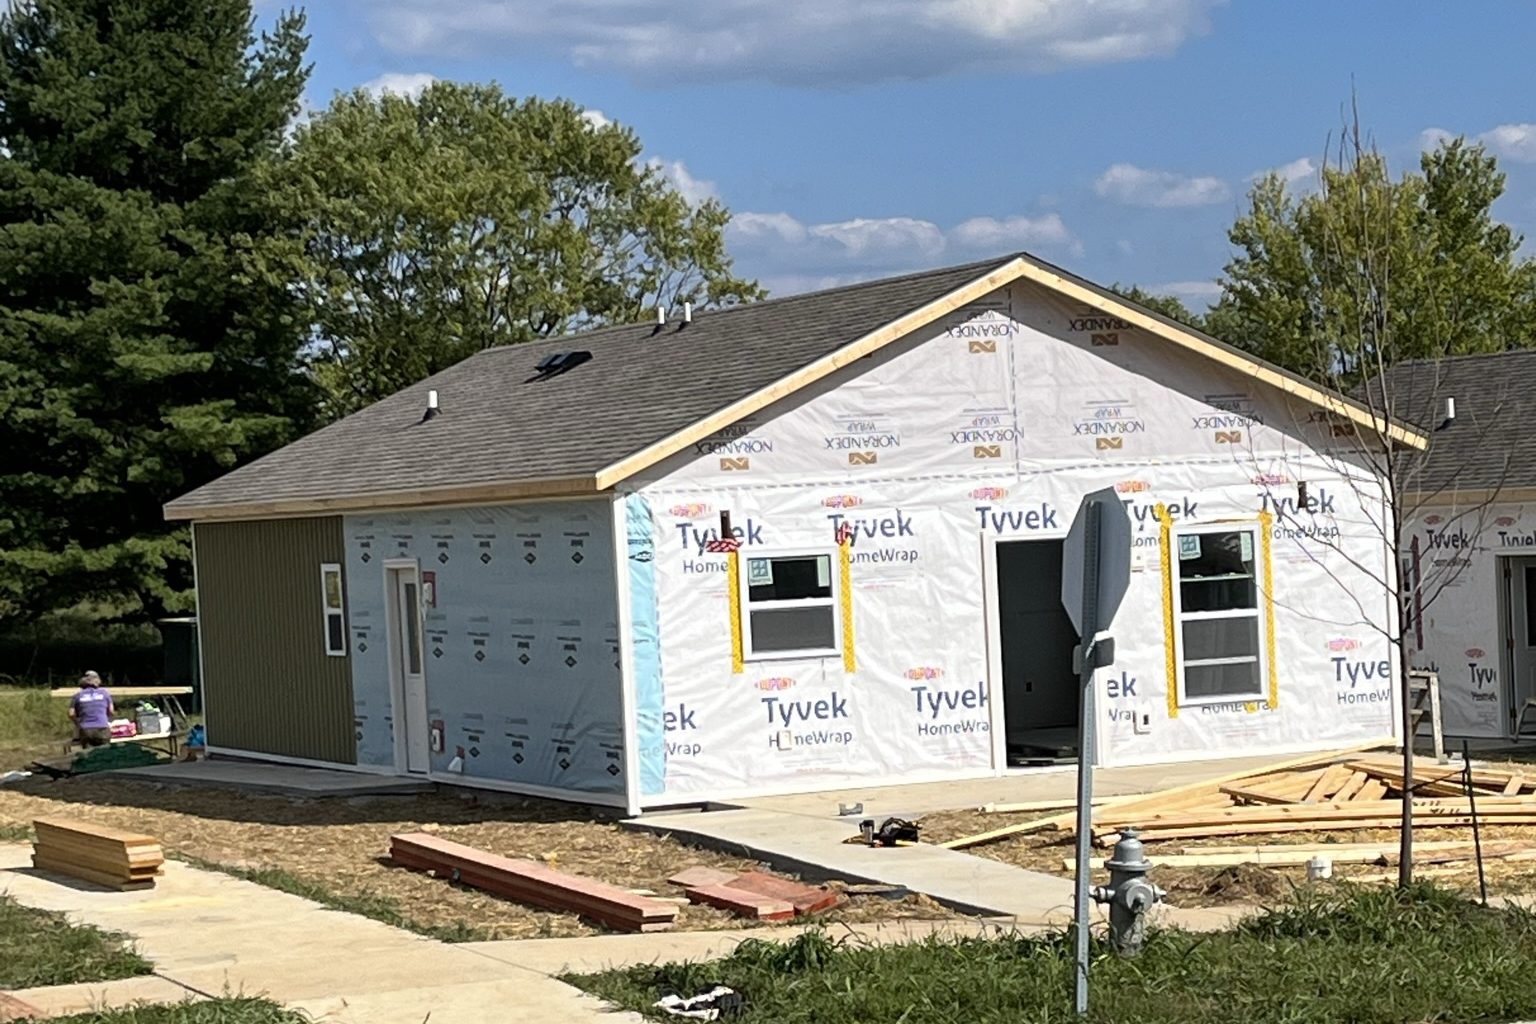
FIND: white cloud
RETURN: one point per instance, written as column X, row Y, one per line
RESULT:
column 1516, row 142
column 1138, row 186
column 1193, row 293
column 408, row 84
column 595, row 118
column 1429, row 138
column 798, row 42
column 1300, row 169
column 695, row 190
column 791, row 256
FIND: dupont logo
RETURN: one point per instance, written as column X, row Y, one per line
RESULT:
column 1476, row 653
column 1503, row 521
column 842, row 501
column 1108, row 444
column 774, row 683
column 1434, row 519
column 735, row 464
column 1103, row 339
column 693, row 510
column 987, row 451
column 982, row 347
column 1342, row 430
column 1229, row 437
column 863, row 458
column 989, row 493
column 924, row 672
column 1132, row 486
column 1344, row 643
column 1271, row 479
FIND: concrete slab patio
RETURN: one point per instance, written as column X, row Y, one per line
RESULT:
column 280, row 779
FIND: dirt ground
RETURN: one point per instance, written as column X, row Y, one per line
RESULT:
column 1243, row 883
column 342, row 844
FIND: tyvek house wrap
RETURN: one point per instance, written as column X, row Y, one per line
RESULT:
column 991, row 426
column 1452, row 558
column 522, row 663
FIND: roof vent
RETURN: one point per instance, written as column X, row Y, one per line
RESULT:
column 687, row 312
column 431, row 405
column 559, row 362
column 1450, row 413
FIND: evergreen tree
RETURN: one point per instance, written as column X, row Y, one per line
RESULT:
column 141, row 350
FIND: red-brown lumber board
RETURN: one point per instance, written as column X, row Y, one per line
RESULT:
column 533, row 883
column 741, row 902
column 689, row 878
column 12, row 1008
column 806, row 899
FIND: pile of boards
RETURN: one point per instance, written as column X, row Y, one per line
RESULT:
column 754, row 894
column 95, row 853
column 1344, row 790
column 530, row 882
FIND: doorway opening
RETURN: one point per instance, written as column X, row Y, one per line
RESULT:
column 1036, row 638
column 1517, row 625
column 408, row 678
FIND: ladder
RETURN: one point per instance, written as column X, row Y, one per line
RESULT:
column 1424, row 689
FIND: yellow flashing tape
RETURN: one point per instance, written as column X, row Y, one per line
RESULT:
column 845, row 576
column 1170, row 647
column 1266, row 526
column 733, row 589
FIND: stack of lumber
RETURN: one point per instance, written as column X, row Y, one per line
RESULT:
column 1345, row 790
column 95, row 853
column 530, row 882
column 755, row 894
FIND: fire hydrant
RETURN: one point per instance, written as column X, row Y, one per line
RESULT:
column 1129, row 894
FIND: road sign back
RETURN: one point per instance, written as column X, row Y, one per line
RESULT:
column 1114, row 560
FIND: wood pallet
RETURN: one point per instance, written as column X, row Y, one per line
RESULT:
column 1347, row 789
column 532, row 883
column 95, row 853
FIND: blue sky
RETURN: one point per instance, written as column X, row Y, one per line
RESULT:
column 859, row 138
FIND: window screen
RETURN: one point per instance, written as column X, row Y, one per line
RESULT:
column 788, row 606
column 1218, row 610
column 334, row 609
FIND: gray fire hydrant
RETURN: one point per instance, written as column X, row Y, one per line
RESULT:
column 1129, row 894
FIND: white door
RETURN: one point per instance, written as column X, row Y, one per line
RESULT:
column 410, row 711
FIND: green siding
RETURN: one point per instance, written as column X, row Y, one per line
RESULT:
column 268, row 685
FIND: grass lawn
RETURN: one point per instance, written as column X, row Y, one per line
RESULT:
column 1342, row 953
column 213, row 1011
column 32, row 725
column 40, row 948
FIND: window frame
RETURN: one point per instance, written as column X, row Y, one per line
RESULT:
column 745, row 604
column 327, row 612
column 1180, row 616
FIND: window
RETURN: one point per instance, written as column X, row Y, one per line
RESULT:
column 335, row 613
column 788, row 607
column 1218, row 615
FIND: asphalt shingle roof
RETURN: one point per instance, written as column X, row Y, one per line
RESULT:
column 641, row 385
column 1490, row 444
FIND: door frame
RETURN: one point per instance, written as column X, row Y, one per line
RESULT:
column 397, row 695
column 993, row 625
column 1510, row 632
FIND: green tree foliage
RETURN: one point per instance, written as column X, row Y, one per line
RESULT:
column 1170, row 306
column 140, row 352
column 429, row 228
column 1371, row 270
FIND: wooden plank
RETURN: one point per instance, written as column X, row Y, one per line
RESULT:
column 1351, row 788
column 1277, row 827
column 1207, row 786
column 67, row 830
column 742, row 903
column 1383, row 844
column 1328, row 782
column 806, row 899
column 1287, row 859
column 1374, row 789
column 1515, row 785
column 128, row 691
column 530, row 882
column 701, row 876
column 1490, row 807
column 1032, row 806
column 85, row 874
column 105, row 864
column 1252, row 795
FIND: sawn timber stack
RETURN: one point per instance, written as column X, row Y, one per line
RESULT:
column 95, row 853
column 533, row 883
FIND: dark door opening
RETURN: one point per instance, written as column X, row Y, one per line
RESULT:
column 1040, row 699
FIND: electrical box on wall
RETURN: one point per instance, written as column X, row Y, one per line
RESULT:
column 436, row 737
column 429, row 589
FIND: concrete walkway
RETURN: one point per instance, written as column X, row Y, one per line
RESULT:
column 281, row 779
column 210, row 934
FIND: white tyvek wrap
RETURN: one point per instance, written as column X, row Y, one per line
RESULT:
column 521, row 650
column 995, row 423
column 1460, row 633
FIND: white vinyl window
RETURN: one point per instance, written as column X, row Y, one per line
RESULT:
column 334, row 608
column 1217, row 593
column 789, row 606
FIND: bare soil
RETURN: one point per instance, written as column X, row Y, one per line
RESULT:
column 343, row 844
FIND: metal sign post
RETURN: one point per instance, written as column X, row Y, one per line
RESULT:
column 1095, row 571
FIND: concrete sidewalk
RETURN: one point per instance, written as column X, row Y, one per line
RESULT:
column 209, row 934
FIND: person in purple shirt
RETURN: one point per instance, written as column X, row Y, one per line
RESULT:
column 91, row 708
